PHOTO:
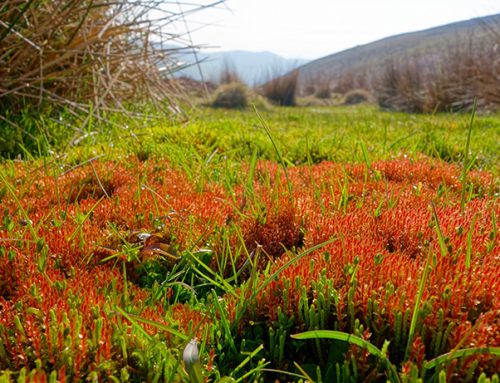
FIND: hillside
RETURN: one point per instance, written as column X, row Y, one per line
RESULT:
column 365, row 62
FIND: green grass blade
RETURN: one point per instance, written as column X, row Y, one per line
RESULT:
column 85, row 217
column 466, row 156
column 352, row 339
column 416, row 307
column 12, row 192
column 306, row 375
column 442, row 244
column 494, row 224
column 278, row 153
column 248, row 359
column 283, row 372
column 468, row 253
column 217, row 279
column 291, row 262
column 246, row 302
column 365, row 155
column 251, row 172
column 224, row 320
column 134, row 319
column 133, row 322
column 339, row 335
column 252, row 371
column 461, row 353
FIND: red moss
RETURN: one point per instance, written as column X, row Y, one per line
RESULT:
column 380, row 218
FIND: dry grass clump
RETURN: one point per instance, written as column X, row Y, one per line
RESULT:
column 317, row 85
column 78, row 53
column 84, row 59
column 232, row 96
column 352, row 79
column 357, row 96
column 324, row 91
column 282, row 90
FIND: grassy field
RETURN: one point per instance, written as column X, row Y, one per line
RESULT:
column 325, row 244
column 304, row 135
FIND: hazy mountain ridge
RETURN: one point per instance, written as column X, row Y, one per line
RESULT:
column 252, row 67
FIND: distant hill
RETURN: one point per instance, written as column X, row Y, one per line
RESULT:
column 367, row 61
column 253, row 67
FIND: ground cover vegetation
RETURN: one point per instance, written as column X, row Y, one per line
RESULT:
column 114, row 257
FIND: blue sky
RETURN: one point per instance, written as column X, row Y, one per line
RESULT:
column 315, row 28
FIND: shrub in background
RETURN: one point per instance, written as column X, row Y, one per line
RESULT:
column 234, row 96
column 282, row 90
column 315, row 84
column 357, row 96
column 324, row 91
column 352, row 79
column 400, row 86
